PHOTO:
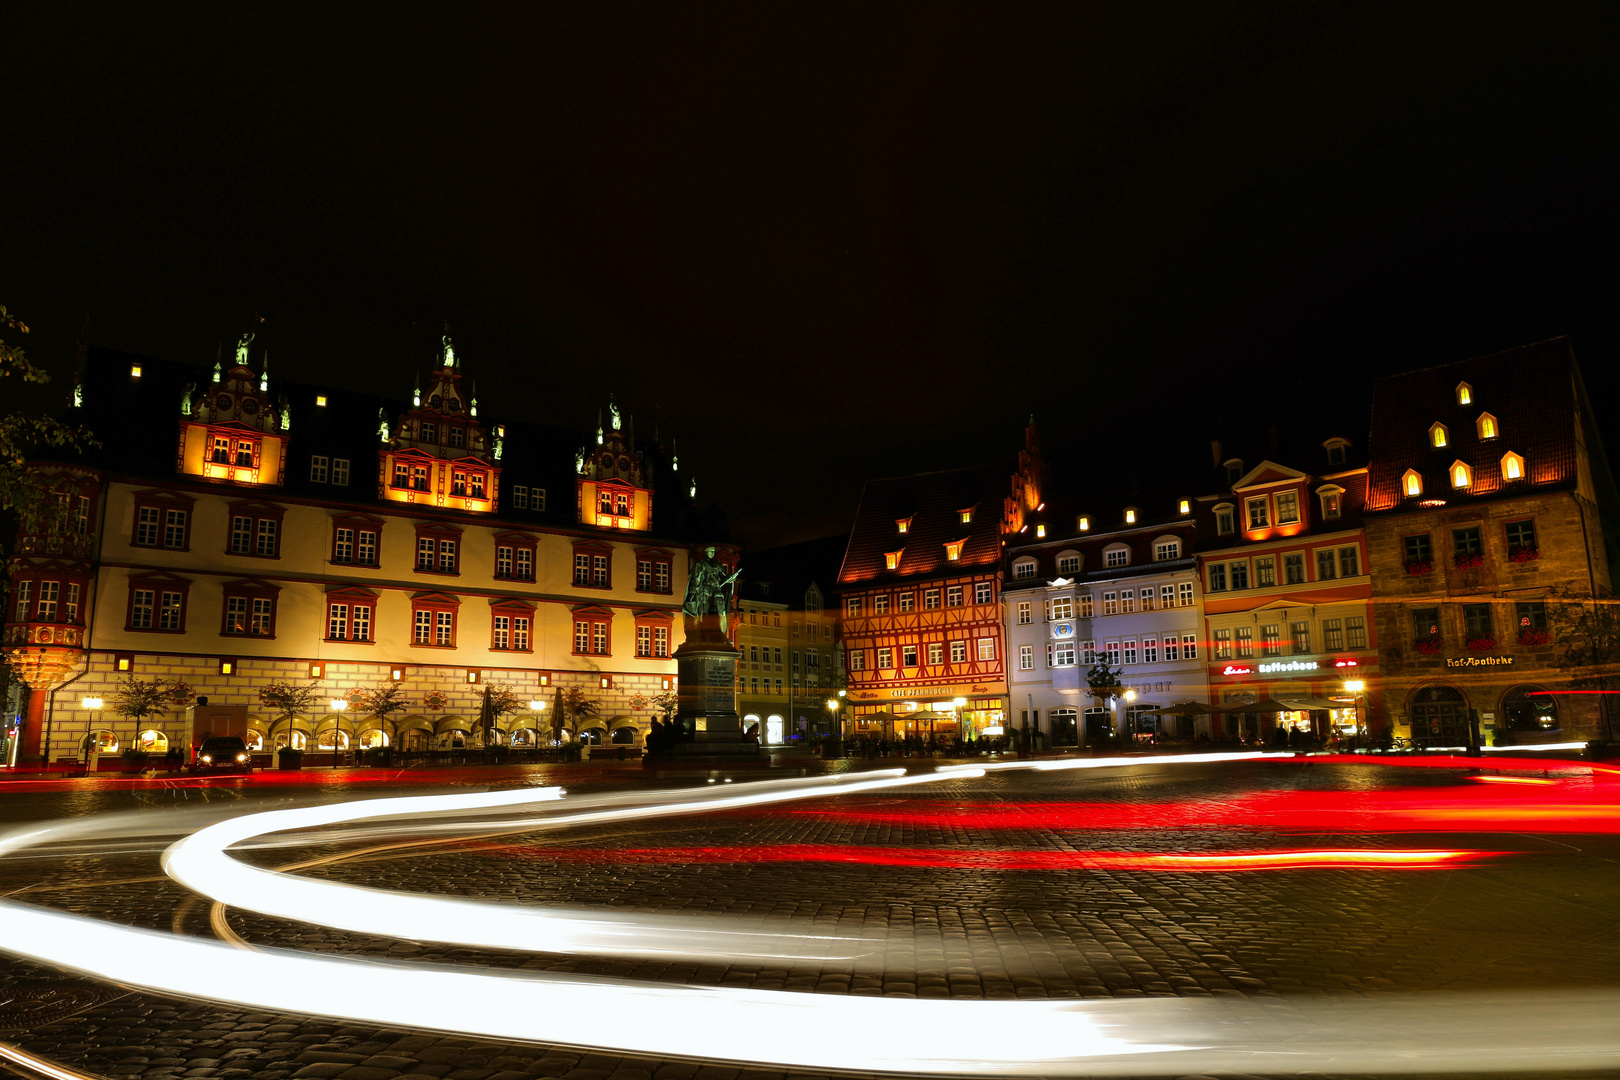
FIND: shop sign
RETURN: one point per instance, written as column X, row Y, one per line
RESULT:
column 927, row 693
column 1479, row 661
column 1287, row 665
column 1232, row 669
column 1345, row 663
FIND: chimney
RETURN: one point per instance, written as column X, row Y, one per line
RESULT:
column 1215, row 451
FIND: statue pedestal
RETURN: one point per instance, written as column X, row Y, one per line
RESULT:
column 707, row 710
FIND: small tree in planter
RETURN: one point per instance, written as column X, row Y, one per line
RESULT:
column 499, row 700
column 574, row 708
column 287, row 699
column 387, row 698
column 1104, row 685
column 136, row 699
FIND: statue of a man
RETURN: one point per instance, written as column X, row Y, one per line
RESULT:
column 709, row 589
column 185, row 398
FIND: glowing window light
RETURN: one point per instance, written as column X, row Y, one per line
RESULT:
column 891, row 559
column 1461, row 475
column 1085, row 523
column 1437, row 436
column 320, row 401
column 1486, row 426
column 1465, row 394
column 1184, row 507
column 1512, row 466
column 1130, row 515
column 134, row 371
column 1412, row 483
column 1040, row 530
column 953, row 550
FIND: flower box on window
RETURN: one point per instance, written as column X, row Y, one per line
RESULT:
column 1419, row 567
column 1480, row 644
column 1531, row 636
column 1427, row 648
column 1524, row 554
column 1468, row 562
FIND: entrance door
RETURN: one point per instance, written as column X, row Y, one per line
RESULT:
column 1439, row 717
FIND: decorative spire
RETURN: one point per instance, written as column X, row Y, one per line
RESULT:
column 264, row 373
column 473, row 408
column 674, row 456
column 219, row 354
column 598, row 427
column 416, row 393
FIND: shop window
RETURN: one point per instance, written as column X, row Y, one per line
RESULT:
column 1530, row 708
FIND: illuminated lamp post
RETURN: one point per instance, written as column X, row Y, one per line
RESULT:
column 339, row 706
column 93, row 743
column 1356, row 686
column 1130, row 721
column 960, row 705
column 537, row 707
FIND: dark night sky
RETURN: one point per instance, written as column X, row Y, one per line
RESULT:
column 825, row 244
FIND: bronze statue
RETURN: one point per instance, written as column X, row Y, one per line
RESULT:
column 709, row 589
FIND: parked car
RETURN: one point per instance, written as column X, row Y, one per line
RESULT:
column 222, row 753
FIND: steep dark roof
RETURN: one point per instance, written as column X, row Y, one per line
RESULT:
column 1531, row 391
column 934, row 502
column 783, row 574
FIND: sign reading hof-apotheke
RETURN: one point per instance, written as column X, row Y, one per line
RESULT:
column 1478, row 662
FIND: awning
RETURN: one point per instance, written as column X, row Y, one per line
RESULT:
column 1189, row 708
column 1301, row 704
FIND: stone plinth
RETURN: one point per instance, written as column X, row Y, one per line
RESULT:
column 707, row 709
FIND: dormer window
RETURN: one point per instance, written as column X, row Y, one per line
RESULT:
column 1465, row 394
column 1337, row 449
column 1486, row 426
column 1040, row 530
column 1225, row 519
column 134, row 371
column 966, row 516
column 1259, row 513
column 1332, row 502
column 1085, row 523
column 953, row 549
column 1184, row 506
column 1512, row 466
column 1412, row 483
column 902, row 525
column 1461, row 474
column 891, row 559
column 457, row 436
column 1437, row 436
column 1130, row 515
column 1068, row 563
column 1234, row 470
column 1116, row 555
column 320, row 401
column 1024, row 568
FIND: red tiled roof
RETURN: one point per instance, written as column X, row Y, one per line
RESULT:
column 934, row 502
column 1531, row 392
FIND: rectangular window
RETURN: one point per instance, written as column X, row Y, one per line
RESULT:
column 444, row 628
column 981, row 592
column 430, row 432
column 244, row 455
column 520, row 633
column 621, row 504
column 1287, row 507
column 458, row 483
column 1063, row 654
column 146, row 527
column 907, row 600
column 476, row 485
column 1069, row 564
column 1172, row 648
column 342, row 546
column 1087, row 605
column 1184, row 594
column 1259, row 518
column 457, row 435
column 1223, row 644
column 604, row 502
column 1426, row 624
column 1350, row 562
column 1326, row 566
column 1167, row 551
column 1521, row 536
column 1223, row 522
column 424, row 628
column 1301, row 632
column 930, row 599
column 1189, row 646
column 222, row 451
column 520, row 497
column 644, row 575
column 852, row 607
column 1417, row 548
column 365, row 548
column 503, row 561
column 318, row 467
column 599, row 571
column 1062, row 607
column 71, row 612
column 643, row 641
column 337, row 622
column 502, row 637
column 47, row 600
column 1243, row 639
column 419, row 477
column 936, row 653
column 169, row 614
column 958, row 652
column 262, row 622
column 953, row 596
column 1025, row 613
column 1117, row 557
column 1356, row 629
column 1026, row 658
column 1150, row 650
column 1167, row 596
column 880, row 604
column 1294, row 569
column 1111, row 652
column 582, row 637
column 241, row 536
column 1467, row 541
column 236, row 614
column 1110, row 603
column 1332, row 634
column 857, row 660
column 885, row 659
column 402, row 474
column 1531, row 615
column 908, row 656
column 582, row 569
column 174, row 531
column 140, row 607
column 426, row 552
column 1271, row 639
column 361, row 630
column 1024, row 570
column 1127, row 601
column 1476, row 621
column 987, row 648
column 268, row 532
column 1088, row 651
column 1332, row 505
column 1217, row 577
column 1265, row 572
column 523, row 565
column 340, row 471
column 1147, row 599
column 1238, row 572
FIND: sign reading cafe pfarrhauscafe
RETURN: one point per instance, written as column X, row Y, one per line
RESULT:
column 1479, row 661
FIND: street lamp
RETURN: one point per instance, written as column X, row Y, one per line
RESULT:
column 1356, row 686
column 339, row 706
column 93, row 743
column 537, row 706
column 1130, row 721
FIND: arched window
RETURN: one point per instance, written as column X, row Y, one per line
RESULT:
column 1225, row 519
column 1461, row 474
column 1332, row 497
column 1337, row 448
column 1069, row 562
column 1465, row 394
column 1437, row 436
column 153, row 742
column 1411, row 483
column 1166, row 548
column 1512, row 466
column 1024, row 568
column 1530, row 708
column 1485, row 425
column 1116, row 555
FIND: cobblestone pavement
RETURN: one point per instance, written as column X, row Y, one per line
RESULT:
column 1542, row 917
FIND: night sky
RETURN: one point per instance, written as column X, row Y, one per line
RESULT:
column 821, row 244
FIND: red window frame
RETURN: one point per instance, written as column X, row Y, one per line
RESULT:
column 157, row 584
column 654, row 621
column 253, row 591
column 511, row 610
column 434, row 603
column 258, row 513
column 600, row 622
column 654, row 557
column 438, row 533
column 357, row 523
column 592, row 550
column 354, row 598
column 30, row 578
column 517, row 541
column 163, row 502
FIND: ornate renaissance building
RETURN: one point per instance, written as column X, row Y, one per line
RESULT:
column 232, row 531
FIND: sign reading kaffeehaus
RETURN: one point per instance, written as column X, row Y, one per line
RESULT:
column 1478, row 661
